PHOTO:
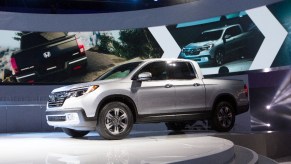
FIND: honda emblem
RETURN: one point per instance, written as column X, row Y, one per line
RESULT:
column 52, row 98
column 47, row 54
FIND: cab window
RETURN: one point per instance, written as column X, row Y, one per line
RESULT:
column 181, row 71
column 157, row 69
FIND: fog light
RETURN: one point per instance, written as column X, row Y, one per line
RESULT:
column 72, row 116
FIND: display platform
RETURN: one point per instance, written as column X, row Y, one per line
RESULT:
column 139, row 147
column 59, row 148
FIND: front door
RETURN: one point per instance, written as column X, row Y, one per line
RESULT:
column 156, row 96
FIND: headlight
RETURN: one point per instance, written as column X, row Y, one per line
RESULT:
column 92, row 88
column 207, row 46
column 81, row 91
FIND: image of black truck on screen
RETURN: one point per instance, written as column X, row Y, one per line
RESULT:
column 43, row 54
column 217, row 45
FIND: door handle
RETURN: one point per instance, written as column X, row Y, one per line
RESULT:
column 168, row 86
column 196, row 84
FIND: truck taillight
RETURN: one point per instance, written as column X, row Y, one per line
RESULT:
column 81, row 46
column 14, row 65
column 246, row 90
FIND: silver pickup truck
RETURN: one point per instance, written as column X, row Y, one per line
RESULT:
column 156, row 90
column 217, row 45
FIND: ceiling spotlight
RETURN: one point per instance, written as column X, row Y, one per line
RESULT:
column 268, row 125
column 268, row 107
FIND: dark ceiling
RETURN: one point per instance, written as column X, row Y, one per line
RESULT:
column 83, row 6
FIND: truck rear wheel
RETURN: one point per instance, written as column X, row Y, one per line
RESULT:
column 176, row 126
column 115, row 121
column 75, row 133
column 6, row 74
column 223, row 117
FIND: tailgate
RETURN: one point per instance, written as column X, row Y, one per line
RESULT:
column 49, row 57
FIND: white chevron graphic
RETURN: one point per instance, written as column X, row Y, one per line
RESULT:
column 166, row 41
column 274, row 34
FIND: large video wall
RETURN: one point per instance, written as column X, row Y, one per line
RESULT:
column 235, row 41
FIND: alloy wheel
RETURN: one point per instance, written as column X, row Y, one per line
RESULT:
column 225, row 116
column 116, row 121
column 219, row 57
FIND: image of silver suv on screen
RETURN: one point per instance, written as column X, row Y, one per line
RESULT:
column 149, row 91
column 217, row 45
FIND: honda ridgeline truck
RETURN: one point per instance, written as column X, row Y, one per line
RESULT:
column 46, row 53
column 215, row 46
column 155, row 90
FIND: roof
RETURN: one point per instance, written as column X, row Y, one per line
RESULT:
column 222, row 28
column 167, row 59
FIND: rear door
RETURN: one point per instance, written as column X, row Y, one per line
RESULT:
column 189, row 89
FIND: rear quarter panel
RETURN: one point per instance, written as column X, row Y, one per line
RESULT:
column 216, row 87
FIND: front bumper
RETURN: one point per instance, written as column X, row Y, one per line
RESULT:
column 204, row 57
column 73, row 119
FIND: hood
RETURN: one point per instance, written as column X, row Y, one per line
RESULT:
column 197, row 45
column 80, row 85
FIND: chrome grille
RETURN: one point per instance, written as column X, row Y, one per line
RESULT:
column 191, row 51
column 57, row 99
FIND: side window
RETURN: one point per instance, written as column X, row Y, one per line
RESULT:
column 157, row 69
column 181, row 70
column 227, row 32
column 233, row 31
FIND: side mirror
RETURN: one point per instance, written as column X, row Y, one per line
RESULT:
column 227, row 36
column 145, row 76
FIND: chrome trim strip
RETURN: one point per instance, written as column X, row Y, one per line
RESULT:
column 75, row 53
column 50, row 68
column 21, row 77
column 23, row 69
column 72, row 62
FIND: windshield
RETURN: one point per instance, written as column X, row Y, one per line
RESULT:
column 211, row 35
column 120, row 71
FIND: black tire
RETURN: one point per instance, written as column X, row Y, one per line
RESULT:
column 219, row 57
column 115, row 121
column 223, row 117
column 6, row 73
column 176, row 126
column 75, row 133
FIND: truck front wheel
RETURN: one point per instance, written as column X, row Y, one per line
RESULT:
column 115, row 121
column 223, row 117
column 219, row 57
column 75, row 133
